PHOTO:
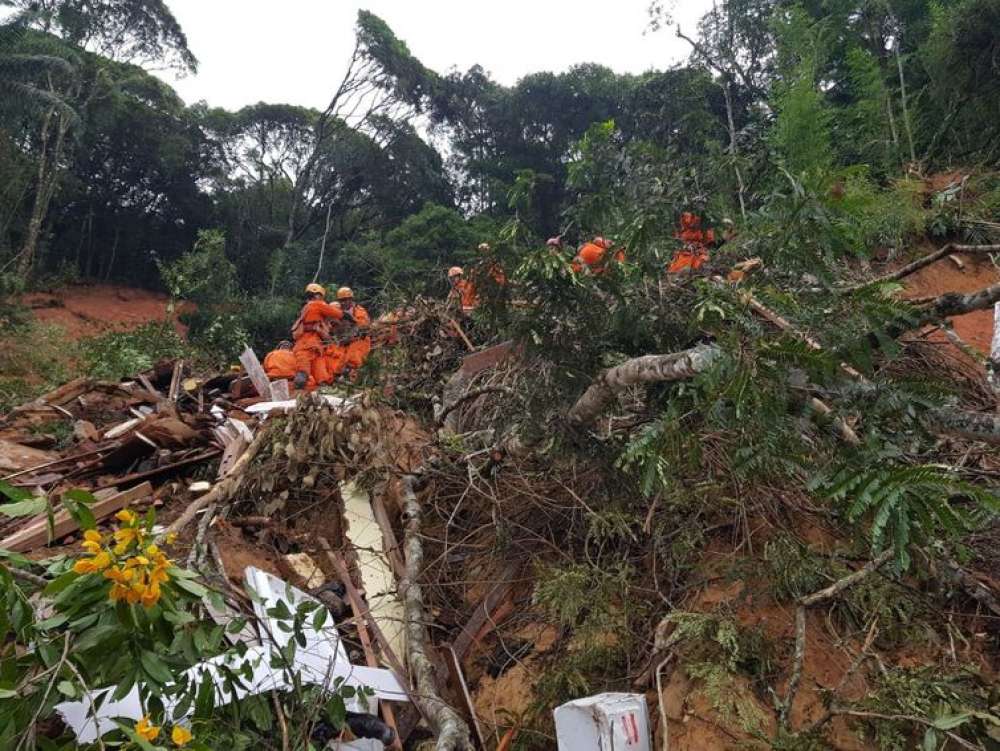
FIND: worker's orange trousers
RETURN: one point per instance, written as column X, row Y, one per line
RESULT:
column 309, row 357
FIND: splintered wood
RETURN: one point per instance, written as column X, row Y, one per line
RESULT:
column 256, row 372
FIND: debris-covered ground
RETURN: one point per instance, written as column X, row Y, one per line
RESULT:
column 544, row 575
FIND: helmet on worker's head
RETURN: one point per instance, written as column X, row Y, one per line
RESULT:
column 690, row 220
column 554, row 242
column 484, row 247
column 315, row 289
column 455, row 271
column 602, row 242
column 345, row 293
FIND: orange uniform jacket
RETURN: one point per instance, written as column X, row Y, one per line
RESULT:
column 358, row 350
column 592, row 255
column 466, row 294
column 280, row 363
column 309, row 347
column 694, row 253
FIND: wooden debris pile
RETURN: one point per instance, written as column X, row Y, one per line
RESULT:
column 162, row 433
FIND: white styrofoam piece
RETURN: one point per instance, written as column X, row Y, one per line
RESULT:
column 321, row 662
column 288, row 406
column 324, row 658
column 605, row 722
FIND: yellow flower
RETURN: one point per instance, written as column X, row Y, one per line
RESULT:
column 102, row 560
column 118, row 592
column 119, row 575
column 146, row 730
column 126, row 516
column 180, row 736
column 152, row 551
column 126, row 535
column 171, row 538
column 84, row 566
column 151, row 596
column 91, row 547
column 92, row 535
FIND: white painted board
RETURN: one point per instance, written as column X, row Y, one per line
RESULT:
column 605, row 722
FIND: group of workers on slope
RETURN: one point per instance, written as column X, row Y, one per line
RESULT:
column 334, row 339
column 328, row 340
column 592, row 258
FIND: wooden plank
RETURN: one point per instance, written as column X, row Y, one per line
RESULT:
column 280, row 391
column 236, row 448
column 389, row 542
column 175, row 380
column 161, row 470
column 483, row 612
column 256, row 372
column 36, row 533
column 150, row 387
column 125, row 427
column 67, row 392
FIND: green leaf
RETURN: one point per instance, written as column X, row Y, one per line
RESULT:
column 80, row 496
column 66, row 689
column 155, row 667
column 336, row 712
column 950, row 722
column 191, row 587
column 14, row 494
column 31, row 507
column 96, row 636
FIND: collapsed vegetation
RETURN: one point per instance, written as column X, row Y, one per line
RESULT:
column 762, row 493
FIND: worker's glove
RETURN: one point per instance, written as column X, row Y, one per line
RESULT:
column 301, row 378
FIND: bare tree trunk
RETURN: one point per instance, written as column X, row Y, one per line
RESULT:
column 647, row 369
column 993, row 362
column 733, row 153
column 902, row 96
column 451, row 730
column 322, row 247
column 927, row 260
column 40, row 207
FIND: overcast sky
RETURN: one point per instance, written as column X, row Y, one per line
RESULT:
column 294, row 51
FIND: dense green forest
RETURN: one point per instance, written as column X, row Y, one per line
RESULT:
column 108, row 174
column 769, row 484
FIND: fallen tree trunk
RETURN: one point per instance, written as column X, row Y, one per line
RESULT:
column 647, row 369
column 451, row 730
column 927, row 260
column 975, row 425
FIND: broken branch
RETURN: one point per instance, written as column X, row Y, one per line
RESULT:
column 451, row 730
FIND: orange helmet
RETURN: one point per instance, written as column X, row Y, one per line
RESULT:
column 484, row 247
column 315, row 289
column 455, row 271
column 345, row 293
column 602, row 242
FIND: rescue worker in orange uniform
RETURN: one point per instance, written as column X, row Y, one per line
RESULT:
column 489, row 267
column 694, row 252
column 463, row 292
column 280, row 363
column 592, row 256
column 310, row 331
column 357, row 349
